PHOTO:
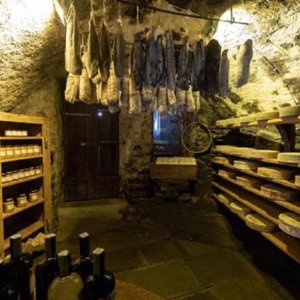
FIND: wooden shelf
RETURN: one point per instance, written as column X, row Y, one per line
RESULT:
column 20, row 138
column 27, row 231
column 285, row 183
column 20, row 158
column 293, row 206
column 18, row 210
column 15, row 182
column 268, row 161
column 288, row 244
column 265, row 209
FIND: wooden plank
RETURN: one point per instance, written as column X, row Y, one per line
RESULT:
column 48, row 213
column 16, row 118
column 266, row 210
column 177, row 172
column 288, row 244
column 26, row 232
column 293, row 206
column 285, row 183
column 21, row 181
column 20, row 138
column 20, row 209
column 20, row 158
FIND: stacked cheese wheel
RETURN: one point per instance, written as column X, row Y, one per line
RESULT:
column 239, row 208
column 289, row 157
column 289, row 111
column 278, row 193
column 290, row 224
column 248, row 181
column 257, row 222
column 247, row 119
column 264, row 154
column 225, row 199
column 245, row 165
column 227, row 173
column 267, row 115
column 297, row 180
column 222, row 160
column 225, row 148
column 275, row 173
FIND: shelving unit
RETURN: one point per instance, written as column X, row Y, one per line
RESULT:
column 252, row 197
column 35, row 216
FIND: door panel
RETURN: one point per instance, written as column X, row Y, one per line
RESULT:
column 91, row 152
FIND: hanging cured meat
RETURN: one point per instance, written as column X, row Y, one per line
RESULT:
column 85, row 88
column 119, row 52
column 190, row 102
column 104, row 52
column 161, row 104
column 196, row 96
column 244, row 60
column 92, row 64
column 185, row 66
column 198, row 66
column 170, row 61
column 212, row 66
column 137, row 62
column 224, row 74
column 72, row 51
column 112, row 87
column 135, row 101
column 124, row 97
column 72, row 88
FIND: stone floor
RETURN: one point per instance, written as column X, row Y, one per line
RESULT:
column 180, row 251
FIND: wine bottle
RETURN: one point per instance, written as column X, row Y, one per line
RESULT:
column 68, row 285
column 84, row 265
column 7, row 292
column 46, row 272
column 100, row 286
column 19, row 268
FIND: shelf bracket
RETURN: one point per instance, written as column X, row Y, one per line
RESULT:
column 288, row 135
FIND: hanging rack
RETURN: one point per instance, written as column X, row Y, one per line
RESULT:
column 195, row 16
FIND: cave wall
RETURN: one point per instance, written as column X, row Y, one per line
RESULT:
column 32, row 59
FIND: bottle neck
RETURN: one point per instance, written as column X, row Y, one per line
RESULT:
column 50, row 244
column 64, row 262
column 84, row 244
column 99, row 262
column 15, row 246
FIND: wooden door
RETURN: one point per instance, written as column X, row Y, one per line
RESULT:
column 91, row 141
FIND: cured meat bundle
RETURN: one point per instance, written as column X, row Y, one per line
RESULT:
column 245, row 57
column 72, row 52
column 137, row 62
column 198, row 71
column 92, row 64
column 224, row 74
column 104, row 52
column 135, row 101
column 161, row 104
column 190, row 102
column 119, row 53
column 112, row 87
column 124, row 97
column 72, row 88
column 85, row 88
column 212, row 66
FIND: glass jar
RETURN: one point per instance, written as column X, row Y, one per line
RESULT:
column 32, row 171
column 9, row 177
column 2, row 152
column 21, row 200
column 36, row 149
column 27, row 172
column 21, row 173
column 15, row 175
column 33, row 196
column 10, row 151
column 17, row 151
column 14, row 132
column 38, row 170
column 8, row 205
column 8, row 132
column 30, row 149
column 24, row 151
column 24, row 133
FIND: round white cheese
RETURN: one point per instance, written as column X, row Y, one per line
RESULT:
column 275, row 173
column 257, row 222
column 289, row 111
column 267, row 115
column 239, row 208
column 289, row 157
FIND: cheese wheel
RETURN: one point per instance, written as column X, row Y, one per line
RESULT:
column 247, row 119
column 264, row 154
column 227, row 173
column 239, row 208
column 225, row 199
column 243, row 151
column 297, row 180
column 221, row 123
column 257, row 222
column 245, row 165
column 289, row 111
column 290, row 223
column 267, row 115
column 232, row 122
column 278, row 193
column 289, row 157
column 248, row 181
column 222, row 160
column 225, row 148
column 275, row 173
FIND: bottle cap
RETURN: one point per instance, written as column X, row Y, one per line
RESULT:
column 64, row 262
column 84, row 244
column 50, row 244
column 15, row 245
column 99, row 261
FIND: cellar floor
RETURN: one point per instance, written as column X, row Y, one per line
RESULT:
column 181, row 251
